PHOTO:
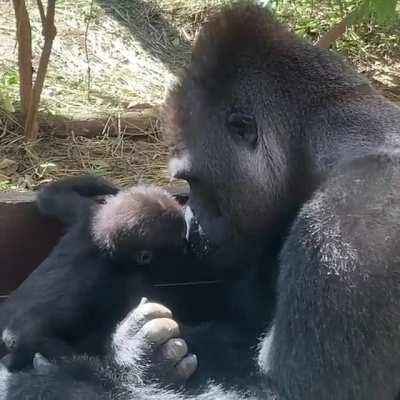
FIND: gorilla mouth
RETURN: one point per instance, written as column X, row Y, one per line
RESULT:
column 222, row 258
column 199, row 244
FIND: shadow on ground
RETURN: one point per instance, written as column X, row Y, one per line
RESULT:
column 146, row 23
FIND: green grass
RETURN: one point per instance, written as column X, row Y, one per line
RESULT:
column 7, row 186
column 9, row 88
column 374, row 49
column 311, row 18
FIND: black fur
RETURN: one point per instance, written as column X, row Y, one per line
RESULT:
column 70, row 199
column 73, row 300
column 122, row 373
column 319, row 192
column 313, row 194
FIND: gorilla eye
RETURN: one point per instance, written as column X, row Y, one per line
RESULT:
column 144, row 257
column 243, row 126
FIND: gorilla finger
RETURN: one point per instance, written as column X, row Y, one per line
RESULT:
column 41, row 363
column 143, row 300
column 186, row 368
column 174, row 350
column 138, row 317
column 148, row 311
column 160, row 330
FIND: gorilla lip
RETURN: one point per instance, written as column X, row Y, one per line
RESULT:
column 188, row 215
column 197, row 239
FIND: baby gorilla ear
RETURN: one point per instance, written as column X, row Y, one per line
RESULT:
column 144, row 257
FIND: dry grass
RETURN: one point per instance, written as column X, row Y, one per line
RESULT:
column 107, row 54
column 24, row 166
column 134, row 50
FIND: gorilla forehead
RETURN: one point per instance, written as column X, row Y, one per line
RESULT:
column 240, row 37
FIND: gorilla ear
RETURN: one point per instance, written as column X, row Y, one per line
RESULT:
column 243, row 127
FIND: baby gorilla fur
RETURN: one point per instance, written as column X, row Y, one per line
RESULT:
column 71, row 303
column 139, row 224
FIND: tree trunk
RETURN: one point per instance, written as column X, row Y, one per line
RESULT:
column 49, row 32
column 330, row 37
column 24, row 39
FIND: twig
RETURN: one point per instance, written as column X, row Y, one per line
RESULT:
column 49, row 30
column 330, row 37
column 333, row 34
column 42, row 13
column 24, row 39
column 87, row 50
column 4, row 129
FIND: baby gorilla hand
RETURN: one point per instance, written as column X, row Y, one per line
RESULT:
column 147, row 340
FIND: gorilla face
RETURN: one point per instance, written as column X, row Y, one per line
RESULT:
column 236, row 169
column 235, row 129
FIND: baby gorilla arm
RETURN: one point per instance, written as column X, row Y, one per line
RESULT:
column 66, row 198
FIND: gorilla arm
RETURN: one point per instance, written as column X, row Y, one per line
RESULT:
column 335, row 334
column 66, row 199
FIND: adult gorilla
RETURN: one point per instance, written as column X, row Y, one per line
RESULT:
column 293, row 158
column 289, row 152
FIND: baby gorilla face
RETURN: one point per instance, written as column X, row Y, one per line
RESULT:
column 140, row 225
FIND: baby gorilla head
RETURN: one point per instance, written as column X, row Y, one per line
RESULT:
column 139, row 225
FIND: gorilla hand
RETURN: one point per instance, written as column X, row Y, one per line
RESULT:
column 148, row 340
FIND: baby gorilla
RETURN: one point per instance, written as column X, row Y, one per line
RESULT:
column 71, row 303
